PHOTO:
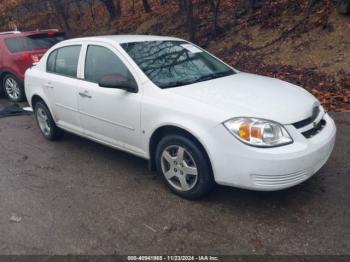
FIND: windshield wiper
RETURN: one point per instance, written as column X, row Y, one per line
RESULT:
column 213, row 76
column 199, row 79
column 177, row 83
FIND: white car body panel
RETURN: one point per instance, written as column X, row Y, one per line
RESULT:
column 127, row 121
column 253, row 96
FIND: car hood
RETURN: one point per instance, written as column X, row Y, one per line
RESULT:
column 251, row 95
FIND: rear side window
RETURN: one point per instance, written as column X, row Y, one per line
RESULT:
column 16, row 45
column 101, row 61
column 64, row 61
column 34, row 42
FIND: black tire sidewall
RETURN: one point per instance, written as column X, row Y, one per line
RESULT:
column 205, row 178
column 21, row 97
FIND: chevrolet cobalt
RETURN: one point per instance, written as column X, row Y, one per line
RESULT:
column 196, row 119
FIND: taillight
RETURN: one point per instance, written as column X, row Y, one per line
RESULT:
column 25, row 56
column 32, row 58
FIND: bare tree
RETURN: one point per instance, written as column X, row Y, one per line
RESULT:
column 61, row 9
column 146, row 6
column 215, row 4
column 249, row 5
column 92, row 9
column 186, row 9
column 80, row 9
column 113, row 8
column 343, row 6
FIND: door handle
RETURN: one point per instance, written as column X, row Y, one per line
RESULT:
column 48, row 85
column 85, row 94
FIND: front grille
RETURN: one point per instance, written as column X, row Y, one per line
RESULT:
column 311, row 121
column 308, row 121
column 314, row 131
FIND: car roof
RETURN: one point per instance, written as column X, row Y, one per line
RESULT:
column 14, row 34
column 122, row 39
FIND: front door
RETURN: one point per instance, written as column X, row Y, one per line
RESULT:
column 108, row 115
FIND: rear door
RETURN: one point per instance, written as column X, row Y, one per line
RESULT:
column 61, row 85
column 108, row 115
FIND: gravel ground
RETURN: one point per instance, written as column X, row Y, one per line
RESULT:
column 79, row 197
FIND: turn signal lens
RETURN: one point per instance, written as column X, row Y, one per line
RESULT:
column 258, row 132
column 244, row 131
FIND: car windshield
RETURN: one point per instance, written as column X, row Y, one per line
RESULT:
column 33, row 42
column 175, row 63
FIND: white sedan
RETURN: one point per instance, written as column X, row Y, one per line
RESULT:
column 197, row 120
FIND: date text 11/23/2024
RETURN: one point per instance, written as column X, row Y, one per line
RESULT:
column 173, row 258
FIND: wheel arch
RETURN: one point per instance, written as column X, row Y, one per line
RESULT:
column 165, row 130
column 35, row 98
column 3, row 74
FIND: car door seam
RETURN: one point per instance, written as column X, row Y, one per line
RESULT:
column 66, row 107
column 105, row 120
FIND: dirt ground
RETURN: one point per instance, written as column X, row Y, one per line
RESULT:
column 79, row 197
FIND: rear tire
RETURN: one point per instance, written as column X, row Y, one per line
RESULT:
column 46, row 123
column 184, row 167
column 13, row 88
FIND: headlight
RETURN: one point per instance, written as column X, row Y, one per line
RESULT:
column 258, row 132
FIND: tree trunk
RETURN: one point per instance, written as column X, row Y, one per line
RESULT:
column 190, row 20
column 133, row 6
column 111, row 8
column 92, row 9
column 58, row 6
column 146, row 6
column 249, row 5
column 215, row 4
column 182, row 6
column 344, row 7
column 80, row 9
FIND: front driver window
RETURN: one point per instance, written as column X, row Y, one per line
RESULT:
column 101, row 61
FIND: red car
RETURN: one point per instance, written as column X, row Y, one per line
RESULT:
column 18, row 51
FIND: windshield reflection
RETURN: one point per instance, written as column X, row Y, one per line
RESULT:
column 175, row 63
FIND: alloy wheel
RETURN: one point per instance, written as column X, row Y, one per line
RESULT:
column 12, row 89
column 43, row 121
column 179, row 168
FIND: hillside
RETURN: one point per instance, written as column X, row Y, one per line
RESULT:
column 303, row 42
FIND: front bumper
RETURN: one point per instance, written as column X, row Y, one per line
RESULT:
column 266, row 169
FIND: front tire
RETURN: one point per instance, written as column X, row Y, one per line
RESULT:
column 13, row 88
column 46, row 123
column 184, row 167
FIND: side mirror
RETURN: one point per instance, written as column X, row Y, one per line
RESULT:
column 119, row 82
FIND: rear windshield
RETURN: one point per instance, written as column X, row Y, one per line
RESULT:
column 34, row 42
